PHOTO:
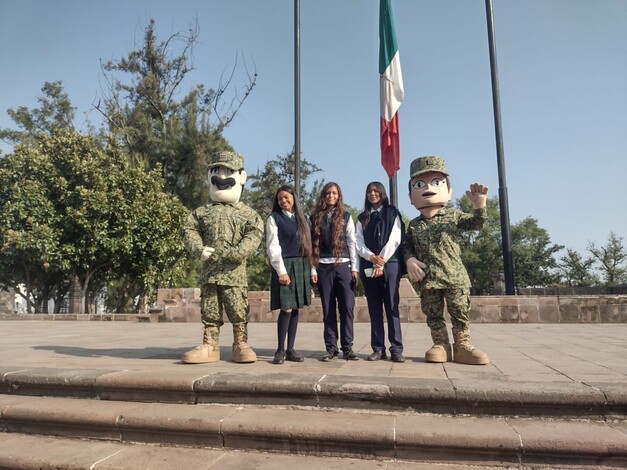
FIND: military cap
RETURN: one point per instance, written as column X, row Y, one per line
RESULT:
column 231, row 160
column 425, row 164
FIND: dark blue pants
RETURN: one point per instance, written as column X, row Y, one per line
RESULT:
column 337, row 292
column 382, row 292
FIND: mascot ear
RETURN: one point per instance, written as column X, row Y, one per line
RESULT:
column 242, row 177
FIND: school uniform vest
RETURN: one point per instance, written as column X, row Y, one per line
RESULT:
column 326, row 229
column 377, row 232
column 288, row 235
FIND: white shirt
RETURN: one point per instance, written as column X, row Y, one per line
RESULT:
column 273, row 247
column 390, row 246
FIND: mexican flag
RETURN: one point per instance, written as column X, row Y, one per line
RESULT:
column 390, row 89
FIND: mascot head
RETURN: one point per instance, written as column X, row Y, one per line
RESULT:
column 429, row 186
column 226, row 177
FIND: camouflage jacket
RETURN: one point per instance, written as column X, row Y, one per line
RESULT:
column 234, row 230
column 435, row 242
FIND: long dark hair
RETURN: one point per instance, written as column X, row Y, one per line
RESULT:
column 367, row 205
column 321, row 210
column 302, row 227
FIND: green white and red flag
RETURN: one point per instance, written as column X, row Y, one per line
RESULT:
column 390, row 89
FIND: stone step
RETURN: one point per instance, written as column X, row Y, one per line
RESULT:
column 324, row 432
column 480, row 397
column 38, row 452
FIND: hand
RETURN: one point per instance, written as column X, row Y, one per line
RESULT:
column 284, row 280
column 478, row 195
column 377, row 260
column 415, row 269
column 206, row 253
column 355, row 277
column 314, row 279
column 377, row 272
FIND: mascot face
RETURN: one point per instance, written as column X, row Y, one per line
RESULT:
column 226, row 184
column 429, row 190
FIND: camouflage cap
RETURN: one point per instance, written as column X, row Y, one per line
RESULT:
column 231, row 160
column 425, row 164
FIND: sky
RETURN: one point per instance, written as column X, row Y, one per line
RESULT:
column 562, row 69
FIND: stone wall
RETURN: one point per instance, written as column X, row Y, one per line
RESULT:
column 183, row 305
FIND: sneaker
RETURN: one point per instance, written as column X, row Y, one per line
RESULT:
column 350, row 355
column 377, row 356
column 398, row 357
column 329, row 356
column 293, row 356
column 279, row 357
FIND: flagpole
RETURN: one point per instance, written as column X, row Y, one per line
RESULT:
column 297, row 97
column 393, row 191
column 503, row 202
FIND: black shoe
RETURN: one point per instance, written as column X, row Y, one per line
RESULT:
column 293, row 356
column 279, row 357
column 350, row 355
column 377, row 355
column 398, row 357
column 329, row 356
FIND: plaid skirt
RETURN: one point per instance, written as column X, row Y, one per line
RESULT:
column 298, row 293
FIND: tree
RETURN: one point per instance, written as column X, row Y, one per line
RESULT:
column 576, row 271
column 155, row 128
column 481, row 250
column 70, row 209
column 55, row 113
column 533, row 255
column 612, row 259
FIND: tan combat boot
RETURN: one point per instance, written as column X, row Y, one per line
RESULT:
column 208, row 351
column 242, row 353
column 464, row 352
column 441, row 349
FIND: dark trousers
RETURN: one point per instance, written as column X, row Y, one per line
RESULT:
column 382, row 292
column 335, row 285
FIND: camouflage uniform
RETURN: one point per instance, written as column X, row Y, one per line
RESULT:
column 235, row 231
column 435, row 241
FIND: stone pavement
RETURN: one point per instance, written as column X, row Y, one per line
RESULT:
column 551, row 353
column 551, row 391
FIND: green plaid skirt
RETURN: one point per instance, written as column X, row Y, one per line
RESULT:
column 298, row 293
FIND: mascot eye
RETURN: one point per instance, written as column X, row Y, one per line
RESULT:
column 438, row 182
column 213, row 170
column 419, row 184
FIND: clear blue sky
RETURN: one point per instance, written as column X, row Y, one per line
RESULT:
column 563, row 81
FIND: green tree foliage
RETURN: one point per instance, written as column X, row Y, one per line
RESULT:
column 481, row 250
column 612, row 259
column 533, row 255
column 141, row 106
column 54, row 113
column 263, row 184
column 69, row 208
column 576, row 271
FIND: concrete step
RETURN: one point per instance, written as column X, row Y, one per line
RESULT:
column 20, row 451
column 480, row 397
column 325, row 432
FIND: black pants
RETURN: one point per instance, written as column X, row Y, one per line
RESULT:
column 335, row 285
column 382, row 292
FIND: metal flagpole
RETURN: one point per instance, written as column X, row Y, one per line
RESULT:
column 297, row 97
column 393, row 190
column 503, row 202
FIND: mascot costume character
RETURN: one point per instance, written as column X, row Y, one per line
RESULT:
column 433, row 238
column 223, row 234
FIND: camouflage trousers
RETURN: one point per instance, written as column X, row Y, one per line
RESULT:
column 457, row 304
column 215, row 299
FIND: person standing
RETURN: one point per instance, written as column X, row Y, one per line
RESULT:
column 288, row 243
column 378, row 236
column 335, row 269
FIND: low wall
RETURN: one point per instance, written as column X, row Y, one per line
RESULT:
column 183, row 305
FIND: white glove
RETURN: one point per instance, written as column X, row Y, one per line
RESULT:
column 415, row 269
column 206, row 253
